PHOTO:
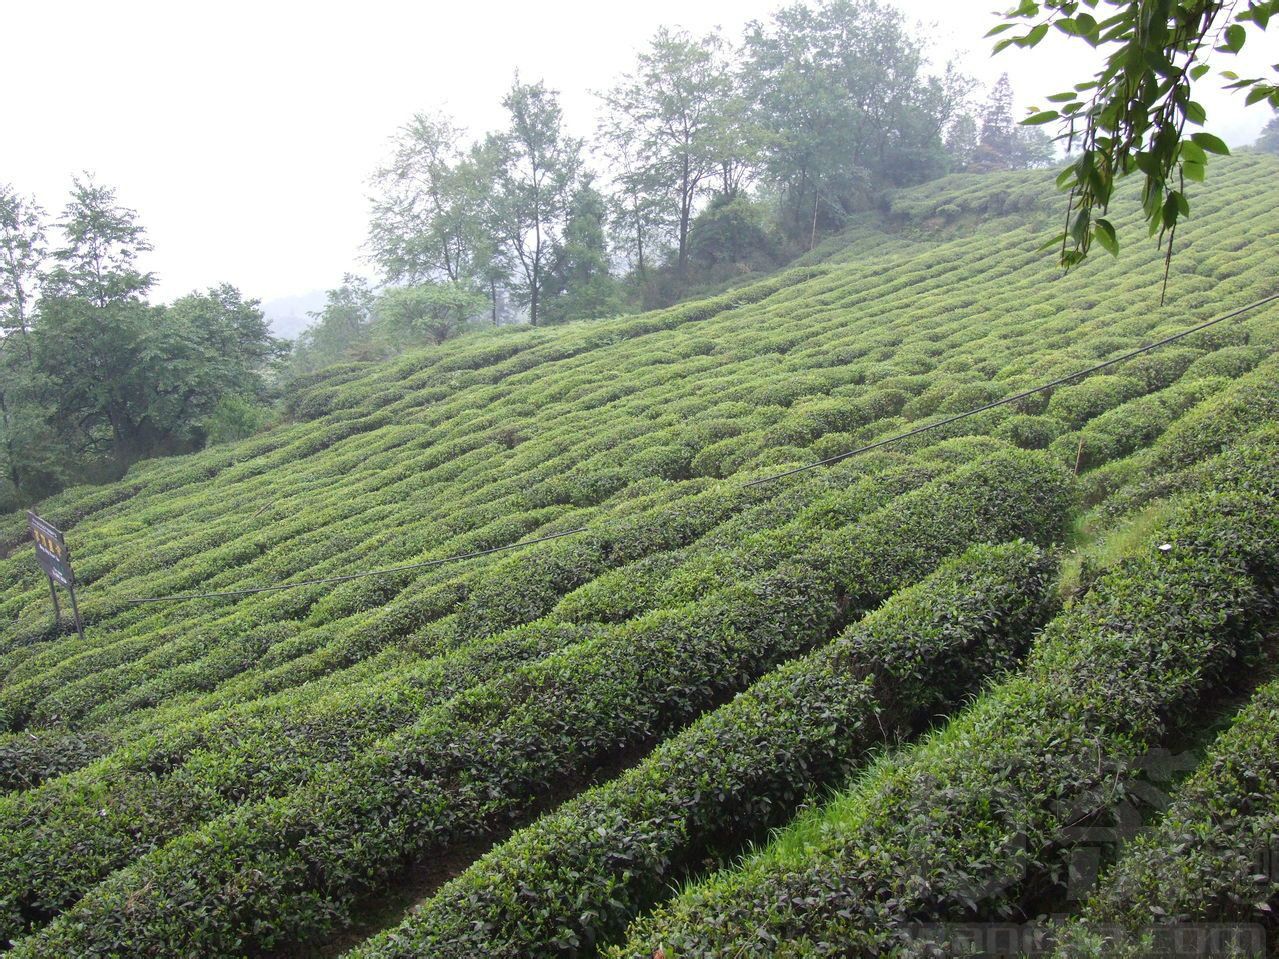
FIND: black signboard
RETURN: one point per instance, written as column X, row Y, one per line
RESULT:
column 55, row 559
column 51, row 550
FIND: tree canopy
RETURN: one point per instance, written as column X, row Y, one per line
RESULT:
column 672, row 115
column 806, row 120
column 1269, row 139
column 840, row 91
column 94, row 377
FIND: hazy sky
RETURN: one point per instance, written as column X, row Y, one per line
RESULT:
column 244, row 132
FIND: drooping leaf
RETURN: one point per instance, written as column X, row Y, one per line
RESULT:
column 1104, row 233
column 1044, row 116
column 1211, row 143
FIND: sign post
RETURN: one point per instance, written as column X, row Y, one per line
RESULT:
column 55, row 559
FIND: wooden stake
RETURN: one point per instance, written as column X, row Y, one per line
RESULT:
column 57, row 610
column 75, row 608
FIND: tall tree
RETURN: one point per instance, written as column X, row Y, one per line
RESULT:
column 125, row 379
column 673, row 110
column 23, row 250
column 538, row 169
column 97, row 262
column 94, row 324
column 129, row 380
column 222, row 346
column 838, row 90
column 736, row 140
column 479, row 176
column 428, row 219
column 27, row 461
column 579, row 283
column 1003, row 144
column 997, row 115
column 338, row 329
column 635, row 212
column 961, row 141
column 1269, row 139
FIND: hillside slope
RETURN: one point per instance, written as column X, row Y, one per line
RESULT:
column 256, row 773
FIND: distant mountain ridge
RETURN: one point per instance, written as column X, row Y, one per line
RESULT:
column 288, row 314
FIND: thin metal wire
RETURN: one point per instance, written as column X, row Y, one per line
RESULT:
column 350, row 576
column 1016, row 396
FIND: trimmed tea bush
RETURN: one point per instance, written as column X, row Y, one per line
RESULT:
column 957, row 828
column 572, row 880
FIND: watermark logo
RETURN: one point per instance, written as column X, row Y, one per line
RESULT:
column 994, row 940
column 1119, row 802
column 1142, row 783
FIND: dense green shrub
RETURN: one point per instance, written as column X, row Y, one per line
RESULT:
column 76, row 830
column 749, row 543
column 462, row 770
column 1029, row 432
column 1132, row 426
column 572, row 880
column 1230, row 362
column 214, row 732
column 1077, row 403
column 1161, row 368
column 32, row 756
column 980, row 811
column 1214, row 425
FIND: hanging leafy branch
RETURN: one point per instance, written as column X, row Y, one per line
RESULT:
column 1132, row 117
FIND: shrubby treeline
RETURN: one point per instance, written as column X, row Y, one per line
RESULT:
column 1269, row 139
column 714, row 161
column 93, row 377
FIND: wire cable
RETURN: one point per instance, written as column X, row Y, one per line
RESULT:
column 1016, row 396
column 350, row 576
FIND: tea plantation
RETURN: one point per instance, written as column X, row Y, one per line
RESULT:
column 852, row 711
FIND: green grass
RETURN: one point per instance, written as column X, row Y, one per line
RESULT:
column 220, row 777
column 1094, row 549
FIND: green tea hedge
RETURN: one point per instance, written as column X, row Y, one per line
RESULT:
column 960, row 828
column 483, row 760
column 571, row 881
column 206, row 738
column 1210, row 860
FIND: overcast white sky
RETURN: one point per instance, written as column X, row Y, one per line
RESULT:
column 244, row 132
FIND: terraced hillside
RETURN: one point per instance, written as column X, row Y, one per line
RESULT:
column 952, row 656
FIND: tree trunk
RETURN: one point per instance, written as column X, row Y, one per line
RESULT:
column 639, row 238
column 449, row 269
column 7, row 419
column 535, row 280
column 685, row 206
column 133, row 441
column 537, row 255
column 640, row 241
column 812, row 237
